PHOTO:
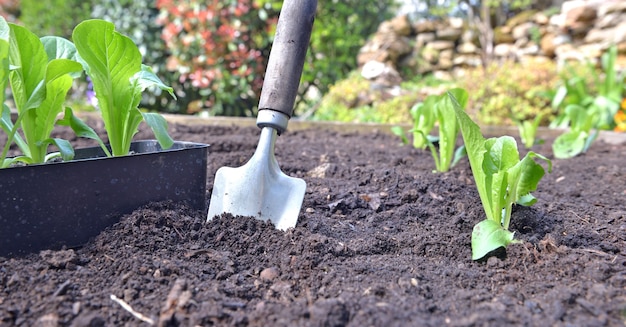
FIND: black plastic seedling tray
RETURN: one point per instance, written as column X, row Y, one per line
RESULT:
column 49, row 206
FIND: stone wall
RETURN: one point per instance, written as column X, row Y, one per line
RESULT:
column 581, row 30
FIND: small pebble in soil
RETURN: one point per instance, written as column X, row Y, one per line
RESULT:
column 269, row 274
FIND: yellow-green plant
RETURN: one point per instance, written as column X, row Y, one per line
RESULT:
column 354, row 100
column 505, row 92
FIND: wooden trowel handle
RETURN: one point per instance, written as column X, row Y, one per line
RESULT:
column 284, row 69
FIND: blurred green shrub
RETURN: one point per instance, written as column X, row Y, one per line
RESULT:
column 341, row 29
column 346, row 101
column 54, row 17
column 353, row 100
column 508, row 92
column 397, row 110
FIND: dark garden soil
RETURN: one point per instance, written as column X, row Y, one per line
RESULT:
column 380, row 241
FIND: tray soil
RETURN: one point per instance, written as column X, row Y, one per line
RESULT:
column 381, row 241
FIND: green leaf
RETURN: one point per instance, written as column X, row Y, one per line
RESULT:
column 458, row 155
column 5, row 30
column 4, row 57
column 65, row 148
column 433, row 152
column 580, row 120
column 158, row 124
column 569, row 144
column 39, row 87
column 60, row 48
column 460, row 95
column 7, row 126
column 559, row 96
column 147, row 78
column 111, row 61
column 448, row 126
column 501, row 154
column 28, row 58
column 487, row 236
column 81, row 129
column 527, row 174
column 524, row 179
column 528, row 130
column 590, row 140
column 527, row 200
column 475, row 148
column 424, row 118
column 39, row 126
column 399, row 131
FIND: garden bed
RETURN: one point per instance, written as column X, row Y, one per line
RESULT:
column 381, row 241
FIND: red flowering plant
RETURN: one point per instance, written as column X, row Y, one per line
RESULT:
column 217, row 50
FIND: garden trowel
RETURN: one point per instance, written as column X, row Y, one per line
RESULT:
column 259, row 188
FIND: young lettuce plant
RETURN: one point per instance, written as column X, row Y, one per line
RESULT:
column 437, row 109
column 113, row 62
column 41, row 72
column 501, row 178
column 528, row 131
column 448, row 130
column 580, row 135
column 424, row 119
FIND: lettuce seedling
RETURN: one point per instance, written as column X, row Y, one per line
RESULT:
column 41, row 72
column 580, row 135
column 113, row 62
column 501, row 178
column 528, row 131
column 436, row 109
column 399, row 132
column 424, row 118
column 448, row 130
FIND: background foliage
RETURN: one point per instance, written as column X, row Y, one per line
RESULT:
column 217, row 51
column 54, row 17
column 214, row 52
column 505, row 92
column 341, row 29
column 222, row 62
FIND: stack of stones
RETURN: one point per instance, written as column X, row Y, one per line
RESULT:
column 582, row 30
